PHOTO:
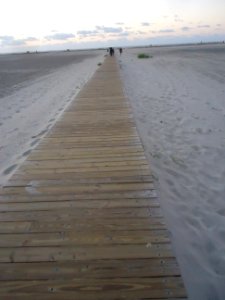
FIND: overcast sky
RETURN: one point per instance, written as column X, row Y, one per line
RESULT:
column 60, row 24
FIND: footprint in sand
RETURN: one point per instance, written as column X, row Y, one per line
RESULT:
column 34, row 142
column 9, row 169
column 42, row 132
column 215, row 108
column 51, row 120
column 39, row 134
column 199, row 130
column 26, row 152
column 221, row 212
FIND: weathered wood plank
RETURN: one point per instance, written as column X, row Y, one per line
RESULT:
column 94, row 204
column 28, row 224
column 101, row 296
column 89, row 252
column 79, row 188
column 128, row 268
column 70, row 238
column 82, row 180
column 150, row 194
column 129, row 288
column 58, row 164
column 42, row 212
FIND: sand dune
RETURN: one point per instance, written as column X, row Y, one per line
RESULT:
column 178, row 98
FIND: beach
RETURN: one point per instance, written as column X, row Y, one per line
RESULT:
column 178, row 100
column 35, row 88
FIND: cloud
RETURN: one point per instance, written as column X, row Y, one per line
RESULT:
column 87, row 32
column 203, row 26
column 177, row 18
column 119, row 23
column 125, row 33
column 119, row 35
column 102, row 30
column 11, row 41
column 8, row 40
column 185, row 28
column 31, row 39
column 166, row 30
column 60, row 36
column 218, row 25
column 145, row 24
column 109, row 29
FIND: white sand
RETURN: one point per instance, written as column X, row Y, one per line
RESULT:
column 178, row 98
column 29, row 112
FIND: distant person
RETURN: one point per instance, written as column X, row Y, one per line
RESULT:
column 120, row 50
column 111, row 51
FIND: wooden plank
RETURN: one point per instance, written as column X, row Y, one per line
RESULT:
column 73, row 176
column 42, row 212
column 101, row 296
column 79, row 188
column 91, row 180
column 82, row 158
column 115, row 251
column 128, row 268
column 58, row 164
column 98, row 237
column 76, row 214
column 7, row 198
column 128, row 288
column 28, row 224
column 30, row 204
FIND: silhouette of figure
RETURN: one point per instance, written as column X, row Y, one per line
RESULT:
column 111, row 51
column 121, row 50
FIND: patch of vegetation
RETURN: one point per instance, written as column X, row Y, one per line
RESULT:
column 144, row 55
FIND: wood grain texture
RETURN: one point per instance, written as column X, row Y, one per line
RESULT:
column 80, row 219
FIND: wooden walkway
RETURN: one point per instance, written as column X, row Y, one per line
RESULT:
column 80, row 218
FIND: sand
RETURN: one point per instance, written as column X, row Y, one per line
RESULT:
column 19, row 70
column 178, row 99
column 34, row 91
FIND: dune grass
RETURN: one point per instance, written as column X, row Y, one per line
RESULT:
column 144, row 55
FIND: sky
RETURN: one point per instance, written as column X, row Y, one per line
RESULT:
column 28, row 25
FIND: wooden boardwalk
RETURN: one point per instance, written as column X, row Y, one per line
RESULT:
column 80, row 218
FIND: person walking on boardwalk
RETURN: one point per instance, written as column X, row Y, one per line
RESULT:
column 111, row 51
